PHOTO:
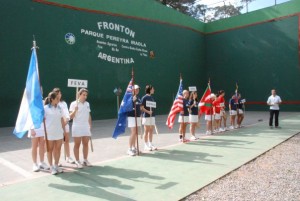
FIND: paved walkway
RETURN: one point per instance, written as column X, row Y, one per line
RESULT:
column 171, row 173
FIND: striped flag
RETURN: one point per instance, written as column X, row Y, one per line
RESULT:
column 203, row 103
column 31, row 113
column 176, row 107
column 125, row 107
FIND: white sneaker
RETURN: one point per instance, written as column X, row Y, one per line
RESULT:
column 79, row 166
column 70, row 160
column 44, row 166
column 59, row 170
column 152, row 147
column 147, row 148
column 35, row 167
column 231, row 127
column 208, row 133
column 134, row 150
column 53, row 170
column 236, row 127
column 130, row 152
column 193, row 138
column 86, row 163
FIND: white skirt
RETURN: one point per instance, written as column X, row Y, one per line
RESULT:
column 80, row 130
column 148, row 121
column 217, row 116
column 209, row 117
column 183, row 120
column 232, row 112
column 193, row 118
column 131, row 122
column 241, row 111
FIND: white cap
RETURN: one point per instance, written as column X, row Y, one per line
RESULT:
column 136, row 86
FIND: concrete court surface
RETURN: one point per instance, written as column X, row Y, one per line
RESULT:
column 172, row 173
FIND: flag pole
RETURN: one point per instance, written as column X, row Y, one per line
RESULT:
column 134, row 105
column 34, row 47
column 211, row 122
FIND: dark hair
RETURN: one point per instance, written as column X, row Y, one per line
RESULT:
column 51, row 96
column 148, row 88
column 57, row 90
column 82, row 90
column 220, row 92
column 191, row 95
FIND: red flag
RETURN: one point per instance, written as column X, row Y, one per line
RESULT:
column 203, row 104
column 176, row 107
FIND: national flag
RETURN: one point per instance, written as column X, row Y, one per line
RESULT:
column 236, row 93
column 125, row 107
column 203, row 104
column 31, row 111
column 176, row 107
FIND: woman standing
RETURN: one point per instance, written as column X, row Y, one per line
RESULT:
column 209, row 113
column 38, row 147
column 233, row 111
column 134, row 121
column 63, row 105
column 55, row 129
column 81, row 128
column 148, row 118
column 184, row 116
column 223, row 115
column 193, row 117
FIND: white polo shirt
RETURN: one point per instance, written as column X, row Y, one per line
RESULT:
column 81, row 126
column 274, row 101
column 53, row 117
column 63, row 105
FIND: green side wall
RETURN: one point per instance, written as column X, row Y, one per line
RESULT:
column 259, row 58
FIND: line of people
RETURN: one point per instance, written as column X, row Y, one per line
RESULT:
column 215, row 113
column 55, row 131
column 145, row 116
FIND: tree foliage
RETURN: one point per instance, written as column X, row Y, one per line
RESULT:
column 203, row 12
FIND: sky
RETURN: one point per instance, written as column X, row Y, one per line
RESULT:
column 255, row 5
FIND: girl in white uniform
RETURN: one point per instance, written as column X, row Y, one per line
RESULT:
column 134, row 121
column 63, row 105
column 55, row 129
column 38, row 146
column 81, row 128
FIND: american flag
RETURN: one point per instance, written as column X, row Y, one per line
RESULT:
column 176, row 107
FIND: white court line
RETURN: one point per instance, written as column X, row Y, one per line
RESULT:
column 15, row 168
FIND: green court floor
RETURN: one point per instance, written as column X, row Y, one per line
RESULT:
column 168, row 174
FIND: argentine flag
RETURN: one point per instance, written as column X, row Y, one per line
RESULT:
column 31, row 111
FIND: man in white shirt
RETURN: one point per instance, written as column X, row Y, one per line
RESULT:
column 274, row 101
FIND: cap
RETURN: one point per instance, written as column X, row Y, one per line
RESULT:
column 136, row 86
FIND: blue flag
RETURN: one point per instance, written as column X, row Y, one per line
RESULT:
column 31, row 111
column 125, row 107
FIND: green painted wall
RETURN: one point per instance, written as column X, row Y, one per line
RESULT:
column 177, row 50
column 259, row 50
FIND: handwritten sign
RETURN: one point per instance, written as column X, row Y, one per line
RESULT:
column 77, row 83
column 151, row 104
column 192, row 88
